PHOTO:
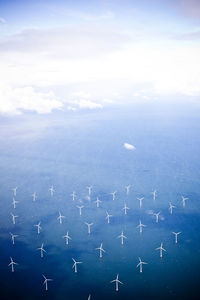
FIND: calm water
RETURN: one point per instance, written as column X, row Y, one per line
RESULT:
column 73, row 150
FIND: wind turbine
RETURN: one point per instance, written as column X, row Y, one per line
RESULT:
column 101, row 250
column 125, row 208
column 60, row 217
column 52, row 190
column 75, row 264
column 122, row 236
column 154, row 193
column 127, row 189
column 171, row 206
column 67, row 238
column 89, row 226
column 113, row 195
column 14, row 203
column 15, row 191
column 140, row 226
column 157, row 216
column 116, row 283
column 108, row 217
column 13, row 236
column 161, row 249
column 42, row 250
column 89, row 190
column 89, row 297
column 38, row 227
column 13, row 218
column 46, row 282
column 80, row 209
column 140, row 199
column 140, row 264
column 176, row 236
column 12, row 263
column 98, row 202
column 73, row 196
column 183, row 200
column 34, row 196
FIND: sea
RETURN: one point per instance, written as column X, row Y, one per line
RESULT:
column 71, row 150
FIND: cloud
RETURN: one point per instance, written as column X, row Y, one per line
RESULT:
column 16, row 100
column 2, row 21
column 129, row 146
column 89, row 104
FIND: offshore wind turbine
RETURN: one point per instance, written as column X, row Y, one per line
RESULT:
column 127, row 189
column 113, row 195
column 140, row 199
column 125, row 208
column 67, row 238
column 13, row 236
column 154, row 193
column 60, row 217
column 80, row 209
column 108, row 217
column 14, row 202
column 73, row 196
column 140, row 264
column 46, row 282
column 52, row 190
column 116, row 283
column 161, row 249
column 75, row 264
column 12, row 263
column 89, row 190
column 122, row 236
column 171, row 206
column 98, row 202
column 34, row 196
column 89, row 226
column 42, row 250
column 13, row 218
column 101, row 250
column 157, row 216
column 38, row 227
column 183, row 200
column 15, row 191
column 176, row 236
column 140, row 226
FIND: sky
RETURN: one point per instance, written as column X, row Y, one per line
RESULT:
column 92, row 54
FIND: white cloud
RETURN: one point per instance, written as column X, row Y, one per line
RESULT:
column 15, row 100
column 89, row 104
column 129, row 146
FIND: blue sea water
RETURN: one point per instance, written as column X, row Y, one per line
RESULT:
column 72, row 150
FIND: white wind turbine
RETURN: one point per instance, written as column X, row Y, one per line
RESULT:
column 67, row 238
column 12, row 263
column 80, row 209
column 13, row 236
column 13, row 218
column 101, row 250
column 89, row 227
column 46, row 282
column 98, row 202
column 154, row 193
column 161, row 249
column 75, row 264
column 15, row 191
column 140, row 264
column 60, row 217
column 157, row 216
column 113, row 195
column 140, row 226
column 89, row 190
column 122, row 236
column 127, row 189
column 171, row 206
column 73, row 196
column 14, row 203
column 52, row 190
column 108, row 217
column 38, row 227
column 34, row 196
column 176, row 236
column 125, row 208
column 42, row 250
column 116, row 283
column 183, row 200
column 140, row 199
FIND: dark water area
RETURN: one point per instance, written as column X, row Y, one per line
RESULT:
column 73, row 150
